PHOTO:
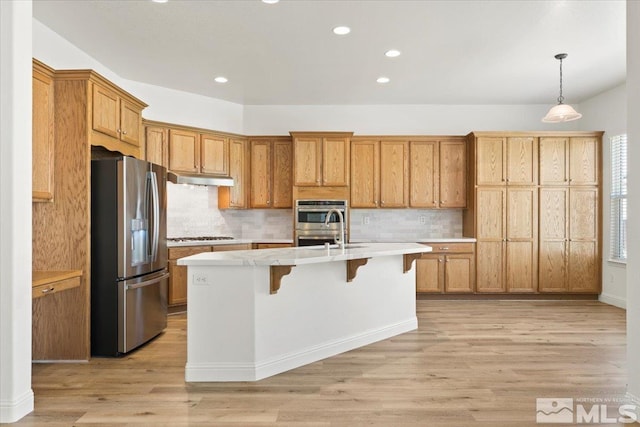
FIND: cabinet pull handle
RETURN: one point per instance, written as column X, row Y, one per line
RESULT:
column 444, row 248
column 46, row 291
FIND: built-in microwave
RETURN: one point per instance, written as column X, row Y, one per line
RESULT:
column 310, row 218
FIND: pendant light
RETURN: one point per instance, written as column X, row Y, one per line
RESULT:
column 561, row 112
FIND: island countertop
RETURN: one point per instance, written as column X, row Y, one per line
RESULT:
column 303, row 254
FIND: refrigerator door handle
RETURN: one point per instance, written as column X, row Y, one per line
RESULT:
column 156, row 216
column 153, row 281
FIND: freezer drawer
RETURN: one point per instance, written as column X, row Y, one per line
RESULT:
column 142, row 309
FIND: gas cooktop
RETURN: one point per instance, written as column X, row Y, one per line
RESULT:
column 198, row 239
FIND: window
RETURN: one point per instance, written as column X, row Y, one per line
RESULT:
column 618, row 224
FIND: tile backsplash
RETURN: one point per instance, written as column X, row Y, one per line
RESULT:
column 193, row 211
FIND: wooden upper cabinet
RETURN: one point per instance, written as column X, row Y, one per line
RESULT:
column 452, row 174
column 321, row 159
column 214, row 154
column 261, row 177
column 365, row 173
column 569, row 160
column 43, row 142
column 117, row 115
column 522, row 160
column 394, row 174
column 236, row 197
column 583, row 161
column 184, row 151
column 508, row 160
column 282, row 174
column 335, row 161
column 424, row 174
column 157, row 145
column 489, row 152
column 271, row 173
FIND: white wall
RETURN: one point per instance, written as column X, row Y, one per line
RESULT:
column 16, row 396
column 633, row 236
column 165, row 105
column 608, row 112
column 396, row 119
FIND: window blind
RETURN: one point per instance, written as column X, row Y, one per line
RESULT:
column 618, row 244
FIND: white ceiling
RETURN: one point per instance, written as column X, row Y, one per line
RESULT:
column 453, row 52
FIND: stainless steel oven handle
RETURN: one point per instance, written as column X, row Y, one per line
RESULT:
column 147, row 282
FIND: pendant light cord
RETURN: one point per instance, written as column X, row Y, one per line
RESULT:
column 560, row 98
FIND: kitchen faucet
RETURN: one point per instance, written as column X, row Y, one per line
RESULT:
column 338, row 239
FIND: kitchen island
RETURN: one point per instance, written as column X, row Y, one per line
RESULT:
column 254, row 314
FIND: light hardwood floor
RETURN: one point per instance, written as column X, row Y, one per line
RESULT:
column 470, row 363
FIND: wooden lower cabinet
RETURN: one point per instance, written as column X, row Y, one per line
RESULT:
column 178, row 273
column 449, row 268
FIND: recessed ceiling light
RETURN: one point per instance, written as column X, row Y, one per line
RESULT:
column 221, row 79
column 392, row 53
column 341, row 30
column 160, row 1
column 270, row 1
column 383, row 80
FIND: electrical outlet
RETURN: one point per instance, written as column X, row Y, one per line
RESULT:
column 365, row 220
column 200, row 279
column 423, row 220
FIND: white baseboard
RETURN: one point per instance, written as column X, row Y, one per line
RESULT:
column 205, row 372
column 613, row 300
column 12, row 410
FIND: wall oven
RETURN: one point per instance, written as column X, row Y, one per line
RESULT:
column 309, row 221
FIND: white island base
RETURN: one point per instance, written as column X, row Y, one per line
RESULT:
column 240, row 330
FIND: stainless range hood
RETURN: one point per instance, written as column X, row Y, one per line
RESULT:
column 197, row 179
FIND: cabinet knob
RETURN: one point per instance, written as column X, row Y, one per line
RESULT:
column 118, row 130
column 124, row 132
column 439, row 260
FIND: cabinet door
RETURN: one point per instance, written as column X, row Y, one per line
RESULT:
column 261, row 179
column 489, row 161
column 490, row 235
column 430, row 273
column 583, row 161
column 423, row 174
column 177, row 283
column 214, row 154
column 236, row 196
column 365, row 170
column 156, row 146
column 522, row 161
column 553, row 161
column 282, row 172
column 552, row 270
column 522, row 240
column 335, row 162
column 106, row 111
column 584, row 260
column 307, row 161
column 184, row 151
column 452, row 177
column 394, row 176
column 42, row 167
column 459, row 273
column 130, row 123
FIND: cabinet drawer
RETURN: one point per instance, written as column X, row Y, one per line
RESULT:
column 54, row 287
column 175, row 253
column 453, row 248
column 238, row 247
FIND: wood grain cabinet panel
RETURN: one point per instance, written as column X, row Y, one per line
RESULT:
column 365, row 173
column 106, row 111
column 307, row 161
column 553, row 274
column 394, row 174
column 451, row 175
column 335, row 161
column 214, row 154
column 282, row 175
column 261, row 176
column 184, row 151
column 522, row 160
column 490, row 161
column 424, row 174
column 522, row 239
column 554, row 161
column 583, row 161
column 430, row 274
column 459, row 273
column 130, row 123
column 449, row 268
column 178, row 273
column 157, row 145
column 43, row 133
column 236, row 197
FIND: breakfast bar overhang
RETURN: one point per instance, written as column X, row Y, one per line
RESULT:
column 254, row 314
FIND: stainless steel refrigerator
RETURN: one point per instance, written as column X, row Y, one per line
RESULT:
column 129, row 276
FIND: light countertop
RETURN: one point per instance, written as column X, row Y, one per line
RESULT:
column 226, row 242
column 303, row 254
column 421, row 240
